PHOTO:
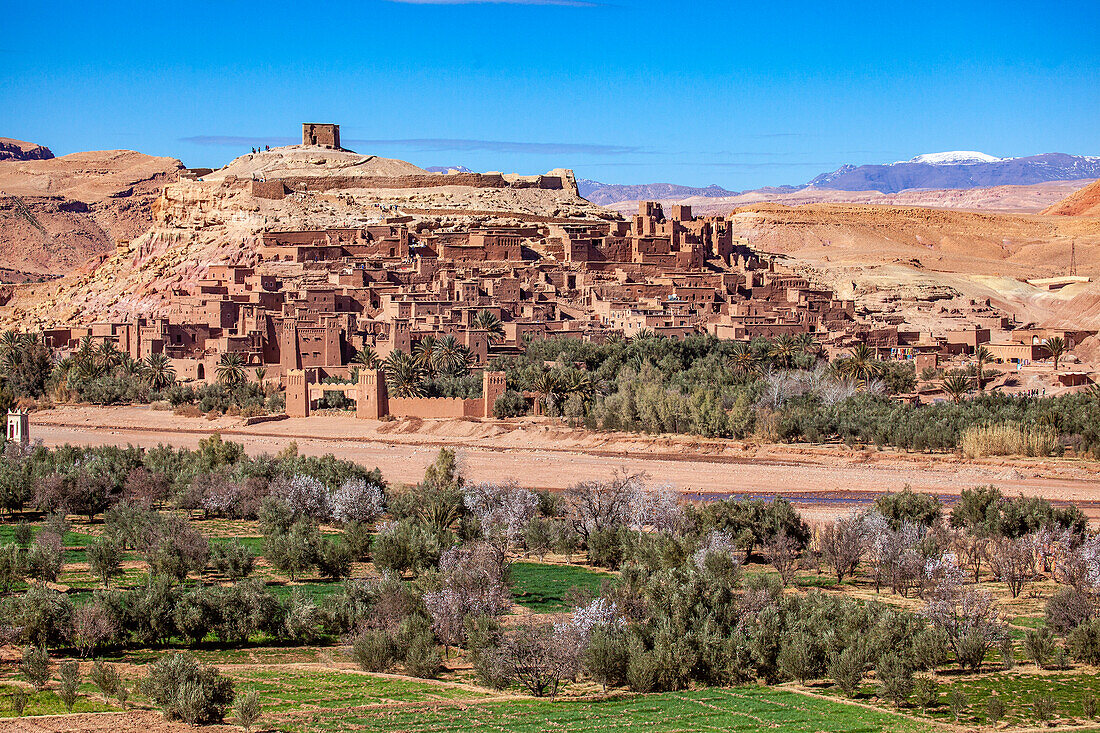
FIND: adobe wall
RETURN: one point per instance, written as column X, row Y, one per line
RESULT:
column 431, row 407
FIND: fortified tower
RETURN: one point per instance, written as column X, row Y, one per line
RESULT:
column 297, row 393
column 373, row 401
column 325, row 135
column 19, row 427
column 493, row 385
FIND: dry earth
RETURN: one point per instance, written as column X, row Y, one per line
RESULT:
column 58, row 214
column 825, row 481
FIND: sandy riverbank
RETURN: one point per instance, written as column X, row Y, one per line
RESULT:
column 823, row 480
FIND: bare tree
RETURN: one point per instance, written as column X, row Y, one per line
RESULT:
column 968, row 616
column 540, row 657
column 594, row 505
column 843, row 544
column 783, row 553
column 1013, row 562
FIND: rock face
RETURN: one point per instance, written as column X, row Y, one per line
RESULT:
column 1085, row 202
column 21, row 150
column 611, row 193
column 57, row 214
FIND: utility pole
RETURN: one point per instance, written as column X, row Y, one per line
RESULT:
column 1073, row 257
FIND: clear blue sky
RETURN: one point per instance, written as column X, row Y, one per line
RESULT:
column 741, row 94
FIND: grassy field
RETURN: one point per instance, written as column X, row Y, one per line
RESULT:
column 746, row 709
column 542, row 587
column 46, row 702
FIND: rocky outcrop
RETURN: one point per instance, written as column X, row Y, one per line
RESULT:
column 57, row 214
column 21, row 150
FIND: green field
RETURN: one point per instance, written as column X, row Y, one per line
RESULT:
column 46, row 702
column 542, row 587
column 747, row 709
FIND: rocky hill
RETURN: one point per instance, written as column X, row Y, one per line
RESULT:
column 924, row 263
column 56, row 214
column 1085, row 202
column 11, row 149
column 219, row 220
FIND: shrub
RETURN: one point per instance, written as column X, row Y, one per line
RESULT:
column 36, row 666
column 607, row 657
column 70, row 683
column 1044, row 707
column 643, row 670
column 1088, row 706
column 1039, row 645
column 995, row 709
column 484, row 641
column 404, row 546
column 374, row 650
column 957, row 701
column 846, row 669
column 232, row 559
column 1084, row 642
column 895, row 679
column 925, row 692
column 358, row 536
column 106, row 678
column 105, row 558
column 247, row 709
column 1008, row 439
column 1067, row 609
column 19, row 700
column 185, row 690
column 510, row 404
column 334, row 559
column 301, row 619
column 422, row 658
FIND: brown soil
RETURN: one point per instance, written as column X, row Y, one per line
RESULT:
column 825, row 481
column 133, row 721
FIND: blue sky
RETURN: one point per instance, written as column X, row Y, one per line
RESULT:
column 734, row 93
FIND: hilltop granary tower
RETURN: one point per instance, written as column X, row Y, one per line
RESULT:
column 325, row 135
column 19, row 425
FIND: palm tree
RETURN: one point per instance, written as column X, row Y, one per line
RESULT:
column 982, row 356
column 159, row 371
column 549, row 385
column 643, row 334
column 10, row 342
column 1056, row 345
column 580, row 383
column 741, row 360
column 403, row 375
column 231, row 368
column 450, row 357
column 784, row 350
column 860, row 364
column 261, row 375
column 108, row 354
column 368, row 357
column 130, row 366
column 490, row 323
column 956, row 386
column 422, row 353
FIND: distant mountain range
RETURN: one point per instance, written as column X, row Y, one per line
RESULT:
column 951, row 170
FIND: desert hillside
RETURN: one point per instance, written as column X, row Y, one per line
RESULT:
column 1085, row 202
column 56, row 214
column 913, row 262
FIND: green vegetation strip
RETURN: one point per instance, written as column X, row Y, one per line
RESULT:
column 285, row 690
column 747, row 709
column 46, row 702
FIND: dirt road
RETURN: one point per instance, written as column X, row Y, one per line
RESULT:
column 824, row 481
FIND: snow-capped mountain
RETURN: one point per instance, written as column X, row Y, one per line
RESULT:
column 960, row 169
column 954, row 157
